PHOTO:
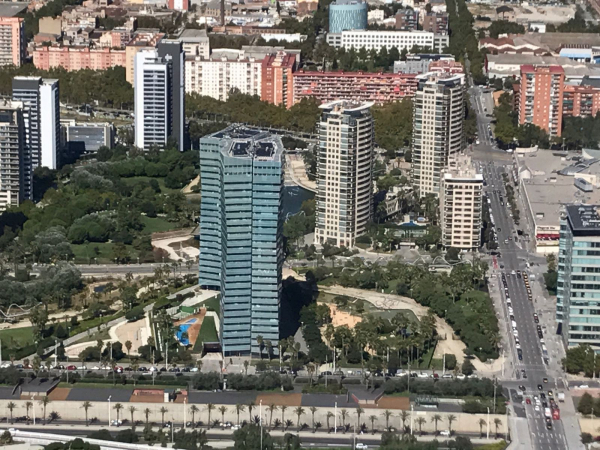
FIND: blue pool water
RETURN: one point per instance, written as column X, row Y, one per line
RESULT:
column 183, row 329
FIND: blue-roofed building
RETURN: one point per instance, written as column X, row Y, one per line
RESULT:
column 347, row 15
column 241, row 222
column 577, row 54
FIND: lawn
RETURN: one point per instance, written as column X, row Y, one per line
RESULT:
column 17, row 337
column 103, row 251
column 161, row 183
column 208, row 333
column 157, row 224
column 213, row 304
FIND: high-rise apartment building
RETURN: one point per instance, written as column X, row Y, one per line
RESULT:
column 159, row 96
column 347, row 15
column 438, row 115
column 241, row 222
column 407, row 20
column 144, row 39
column 12, row 130
column 436, row 22
column 12, row 41
column 541, row 97
column 41, row 116
column 578, row 292
column 461, row 204
column 277, row 83
column 344, row 172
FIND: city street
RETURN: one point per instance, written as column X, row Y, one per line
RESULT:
column 531, row 370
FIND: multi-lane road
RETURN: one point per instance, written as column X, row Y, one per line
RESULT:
column 531, row 370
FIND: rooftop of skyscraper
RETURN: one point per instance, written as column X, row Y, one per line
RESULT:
column 442, row 78
column 584, row 218
column 346, row 106
column 243, row 142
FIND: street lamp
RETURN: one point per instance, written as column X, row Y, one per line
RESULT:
column 488, row 423
column 109, row 409
column 260, row 420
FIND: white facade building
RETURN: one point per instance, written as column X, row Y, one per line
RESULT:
column 438, row 116
column 195, row 43
column 50, row 123
column 461, row 204
column 378, row 39
column 217, row 76
column 344, row 172
column 12, row 148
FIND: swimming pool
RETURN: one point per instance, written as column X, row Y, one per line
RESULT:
column 183, row 329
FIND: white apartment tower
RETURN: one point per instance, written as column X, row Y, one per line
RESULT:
column 344, row 172
column 461, row 204
column 41, row 118
column 159, row 95
column 438, row 116
column 12, row 139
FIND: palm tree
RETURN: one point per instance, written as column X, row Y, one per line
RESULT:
column 260, row 341
column 118, row 407
column 45, row 401
column 222, row 410
column 28, row 406
column 250, row 406
column 11, row 406
column 210, row 407
column 387, row 413
column 329, row 416
column 128, row 346
column 283, row 408
column 86, row 406
column 372, row 419
column 421, row 421
column 436, row 418
column 404, row 415
column 238, row 409
column 271, row 408
column 147, row 414
column 194, row 409
column 299, row 411
column 482, row 423
column 497, row 423
column 163, row 411
column 313, row 410
column 132, row 409
column 359, row 411
column 344, row 416
column 451, row 418
column 246, row 364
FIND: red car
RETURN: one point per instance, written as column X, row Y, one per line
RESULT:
column 528, row 401
column 71, row 367
column 118, row 369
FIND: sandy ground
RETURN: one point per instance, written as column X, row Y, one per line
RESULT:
column 60, row 317
column 174, row 254
column 286, row 273
column 137, row 332
column 340, row 318
column 188, row 189
column 389, row 301
column 297, row 171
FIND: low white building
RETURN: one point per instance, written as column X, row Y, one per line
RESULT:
column 378, row 39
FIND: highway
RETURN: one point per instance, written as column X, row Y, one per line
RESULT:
column 531, row 370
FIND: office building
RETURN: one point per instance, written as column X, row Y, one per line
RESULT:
column 241, row 241
column 277, row 83
column 345, row 158
column 12, row 41
column 419, row 63
column 347, row 15
column 437, row 128
column 461, row 204
column 541, row 97
column 407, row 20
column 225, row 70
column 578, row 292
column 12, row 130
column 89, row 136
column 436, row 22
column 159, row 96
column 378, row 39
column 195, row 43
column 41, row 117
column 360, row 86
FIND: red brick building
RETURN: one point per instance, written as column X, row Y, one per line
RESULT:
column 541, row 97
column 277, row 84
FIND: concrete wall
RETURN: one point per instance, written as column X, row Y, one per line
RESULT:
column 73, row 411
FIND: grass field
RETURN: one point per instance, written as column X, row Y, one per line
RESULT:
column 213, row 304
column 208, row 333
column 17, row 337
column 157, row 224
column 161, row 183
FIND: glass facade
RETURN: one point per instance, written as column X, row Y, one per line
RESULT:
column 347, row 15
column 241, row 251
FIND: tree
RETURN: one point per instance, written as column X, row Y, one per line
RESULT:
column 249, row 438
column 128, row 346
column 387, row 414
column 222, row 410
column 404, row 416
column 313, row 410
column 497, row 424
column 118, row 407
column 372, row 418
column 467, row 367
column 193, row 410
column 86, row 406
column 299, row 411
column 436, row 418
column 45, row 401
column 11, row 406
column 260, row 341
column 271, row 408
column 329, row 417
column 359, row 412
column 147, row 414
column 450, row 418
column 482, row 423
column 132, row 410
column 421, row 421
column 163, row 411
column 210, row 408
column 239, row 408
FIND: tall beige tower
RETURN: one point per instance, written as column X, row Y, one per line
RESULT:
column 438, row 118
column 344, row 172
column 461, row 204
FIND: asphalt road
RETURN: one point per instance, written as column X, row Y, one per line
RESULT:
column 513, row 255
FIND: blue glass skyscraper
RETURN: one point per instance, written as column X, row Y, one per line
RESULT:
column 241, row 223
column 348, row 15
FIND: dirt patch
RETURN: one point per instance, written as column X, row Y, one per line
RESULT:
column 280, row 399
column 188, row 189
column 339, row 317
column 148, row 398
column 136, row 332
column 59, row 394
column 394, row 403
